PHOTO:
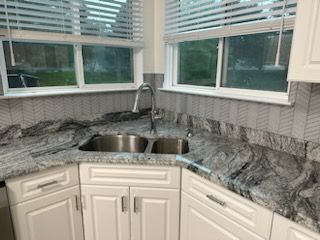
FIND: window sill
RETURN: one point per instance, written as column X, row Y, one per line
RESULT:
column 236, row 94
column 59, row 92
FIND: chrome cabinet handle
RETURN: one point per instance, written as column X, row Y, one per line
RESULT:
column 135, row 204
column 48, row 184
column 123, row 204
column 216, row 200
column 77, row 202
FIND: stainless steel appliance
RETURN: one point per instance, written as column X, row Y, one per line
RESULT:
column 6, row 230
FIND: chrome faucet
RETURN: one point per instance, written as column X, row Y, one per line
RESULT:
column 135, row 109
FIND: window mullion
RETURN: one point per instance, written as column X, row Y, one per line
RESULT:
column 175, row 63
column 3, row 70
column 78, row 59
column 137, row 66
column 172, row 55
column 219, row 63
column 169, row 75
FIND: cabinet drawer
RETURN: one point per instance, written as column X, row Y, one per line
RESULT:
column 38, row 184
column 287, row 230
column 200, row 222
column 246, row 213
column 132, row 175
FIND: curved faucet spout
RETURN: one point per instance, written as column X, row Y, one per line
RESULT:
column 153, row 104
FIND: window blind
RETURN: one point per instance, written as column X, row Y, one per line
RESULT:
column 119, row 19
column 220, row 18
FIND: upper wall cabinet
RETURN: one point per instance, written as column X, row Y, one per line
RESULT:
column 305, row 54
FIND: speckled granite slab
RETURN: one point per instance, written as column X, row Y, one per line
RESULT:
column 284, row 183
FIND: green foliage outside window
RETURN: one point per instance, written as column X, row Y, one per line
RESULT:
column 198, row 62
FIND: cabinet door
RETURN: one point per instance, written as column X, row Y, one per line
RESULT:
column 106, row 214
column 154, row 214
column 305, row 54
column 51, row 217
column 198, row 221
column 285, row 229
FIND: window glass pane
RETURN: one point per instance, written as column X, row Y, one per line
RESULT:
column 107, row 64
column 40, row 65
column 198, row 62
column 249, row 62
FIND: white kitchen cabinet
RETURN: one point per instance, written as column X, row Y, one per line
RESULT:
column 154, row 213
column 211, row 212
column 106, row 213
column 228, row 204
column 305, row 53
column 284, row 229
column 149, row 213
column 122, row 202
column 55, row 216
column 198, row 221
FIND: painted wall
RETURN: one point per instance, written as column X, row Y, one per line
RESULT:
column 153, row 36
column 302, row 120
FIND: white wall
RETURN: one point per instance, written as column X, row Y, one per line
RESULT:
column 153, row 36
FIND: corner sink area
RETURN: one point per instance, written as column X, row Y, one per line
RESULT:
column 170, row 146
column 116, row 143
column 135, row 144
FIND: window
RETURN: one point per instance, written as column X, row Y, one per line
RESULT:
column 40, row 65
column 198, row 62
column 107, row 65
column 57, row 45
column 237, row 49
column 249, row 62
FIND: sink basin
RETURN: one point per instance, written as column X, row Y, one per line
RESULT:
column 170, row 146
column 116, row 143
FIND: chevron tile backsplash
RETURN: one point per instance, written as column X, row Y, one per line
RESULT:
column 302, row 120
column 28, row 111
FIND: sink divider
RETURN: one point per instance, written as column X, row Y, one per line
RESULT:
column 150, row 145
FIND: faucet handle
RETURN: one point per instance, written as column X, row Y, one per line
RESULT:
column 189, row 132
column 157, row 115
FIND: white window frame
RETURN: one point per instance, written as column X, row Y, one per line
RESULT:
column 171, row 75
column 77, row 42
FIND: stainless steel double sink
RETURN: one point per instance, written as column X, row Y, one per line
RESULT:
column 136, row 144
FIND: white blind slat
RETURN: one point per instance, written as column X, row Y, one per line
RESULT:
column 226, row 11
column 177, row 7
column 187, row 16
column 226, row 21
column 31, row 16
column 105, row 18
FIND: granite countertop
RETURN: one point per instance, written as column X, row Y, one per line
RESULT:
column 284, row 183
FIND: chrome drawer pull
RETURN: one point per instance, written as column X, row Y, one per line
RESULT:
column 135, row 204
column 47, row 184
column 77, row 202
column 216, row 200
column 123, row 204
